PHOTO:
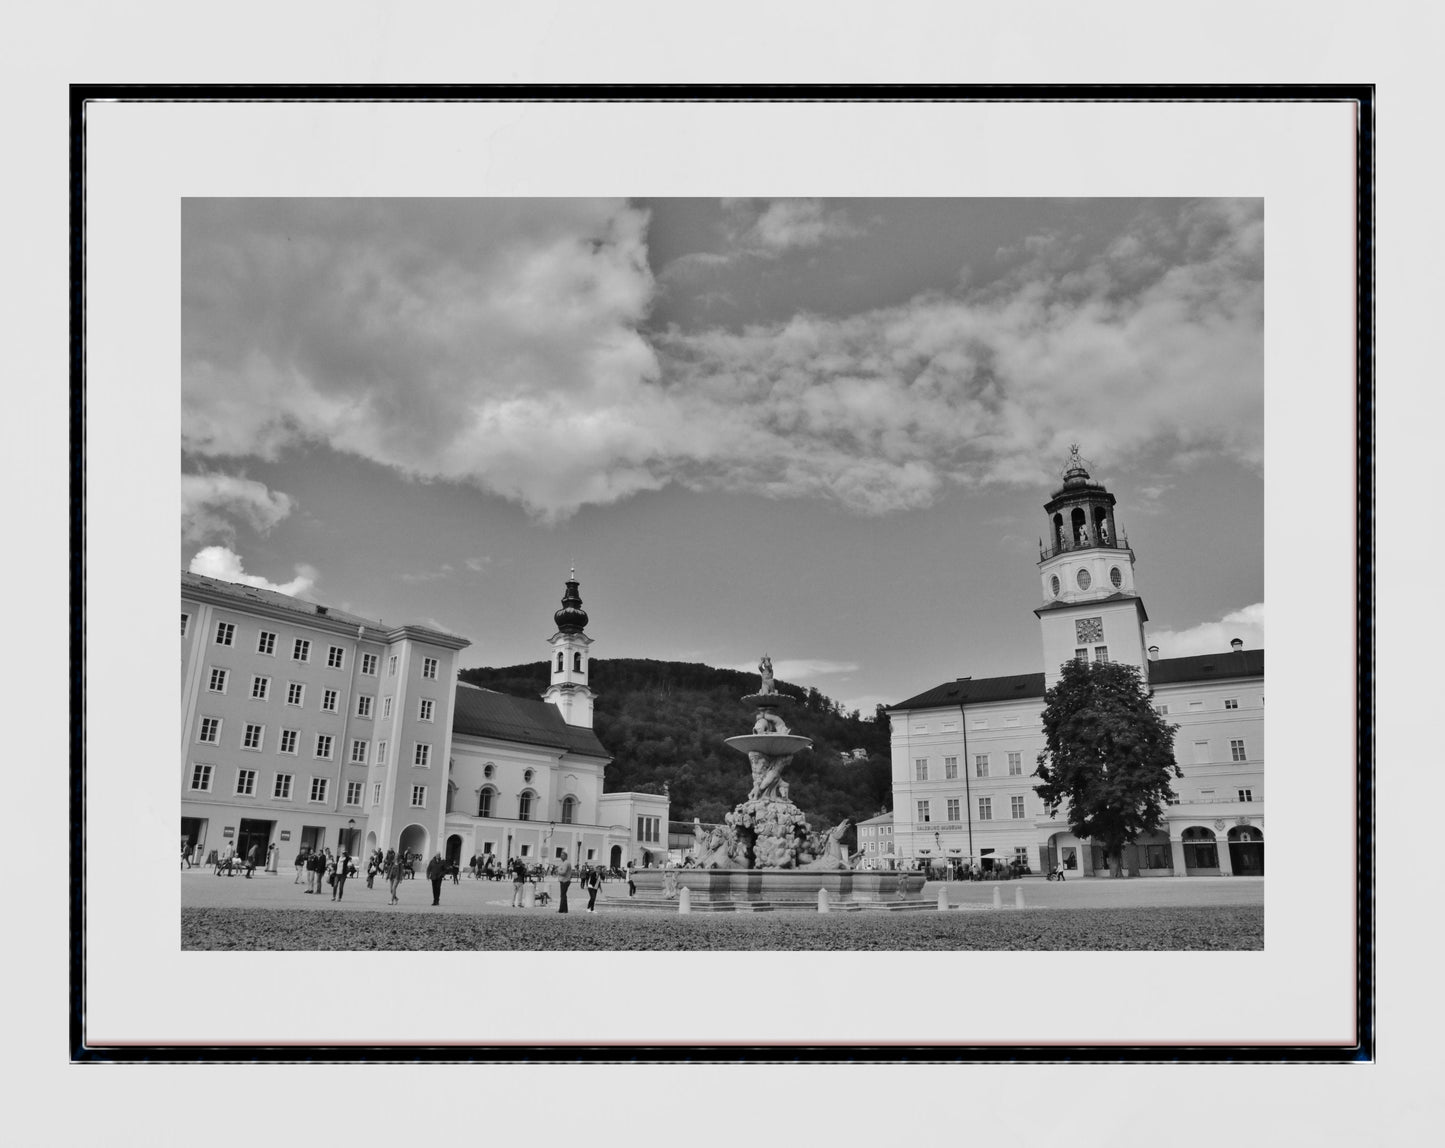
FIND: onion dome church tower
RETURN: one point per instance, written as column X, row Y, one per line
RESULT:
column 569, row 691
column 1086, row 568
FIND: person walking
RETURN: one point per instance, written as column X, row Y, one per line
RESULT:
column 592, row 882
column 564, row 878
column 338, row 884
column 631, row 885
column 253, row 855
column 301, row 866
column 436, row 871
column 316, row 865
column 185, row 853
column 519, row 879
column 393, row 874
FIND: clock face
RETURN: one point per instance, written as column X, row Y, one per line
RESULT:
column 1054, row 585
column 1088, row 630
column 1083, row 579
column 1116, row 577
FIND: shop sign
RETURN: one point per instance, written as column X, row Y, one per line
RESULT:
column 285, row 835
column 229, row 831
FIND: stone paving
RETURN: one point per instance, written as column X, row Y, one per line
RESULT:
column 201, row 888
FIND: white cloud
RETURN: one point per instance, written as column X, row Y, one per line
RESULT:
column 500, row 343
column 225, row 564
column 1213, row 637
column 210, row 502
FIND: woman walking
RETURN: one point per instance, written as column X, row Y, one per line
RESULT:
column 592, row 882
column 393, row 874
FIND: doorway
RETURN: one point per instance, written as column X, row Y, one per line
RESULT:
column 614, row 859
column 1246, row 851
column 454, row 849
column 257, row 833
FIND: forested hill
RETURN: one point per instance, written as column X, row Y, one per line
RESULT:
column 665, row 723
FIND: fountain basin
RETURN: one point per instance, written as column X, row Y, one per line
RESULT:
column 770, row 744
column 783, row 886
column 766, row 701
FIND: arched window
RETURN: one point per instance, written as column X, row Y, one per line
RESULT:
column 559, row 661
column 484, row 802
column 577, row 661
column 488, row 770
column 569, row 810
column 524, row 806
column 451, row 794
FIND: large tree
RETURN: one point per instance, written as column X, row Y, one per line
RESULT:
column 1108, row 756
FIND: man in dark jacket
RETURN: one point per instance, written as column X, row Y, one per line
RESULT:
column 436, row 869
column 253, row 856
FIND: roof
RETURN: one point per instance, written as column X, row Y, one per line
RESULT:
column 1117, row 596
column 313, row 612
column 1162, row 672
column 1207, row 667
column 975, row 690
column 881, row 819
column 486, row 713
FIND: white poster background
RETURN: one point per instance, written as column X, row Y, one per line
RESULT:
column 141, row 159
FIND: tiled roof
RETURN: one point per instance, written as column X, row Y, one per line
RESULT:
column 1207, row 667
column 272, row 598
column 975, row 690
column 1165, row 671
column 486, row 713
column 1117, row 596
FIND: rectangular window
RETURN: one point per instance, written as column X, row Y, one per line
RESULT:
column 922, row 811
column 1201, row 752
column 295, row 693
column 260, row 688
column 391, row 666
column 1231, row 703
column 323, row 745
column 1016, row 809
column 1196, row 706
column 318, row 789
column 1246, row 795
column 1081, row 654
column 985, row 808
column 1021, row 855
column 266, row 643
column 980, row 765
column 1162, row 710
column 649, row 829
column 328, row 701
column 1101, row 653
column 218, row 680
column 368, row 664
column 335, row 658
column 353, row 792
column 429, row 668
column 201, row 778
column 363, row 705
column 185, row 623
column 253, row 736
column 950, row 769
column 1236, row 748
column 210, row 730
column 1015, row 764
column 422, row 756
column 953, row 809
column 245, row 783
column 386, row 707
column 301, row 651
column 920, row 769
column 425, row 708
column 358, row 751
column 381, row 753
column 282, row 789
column 376, row 794
column 225, row 633
column 288, row 741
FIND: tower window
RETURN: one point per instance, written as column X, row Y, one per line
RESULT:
column 1116, row 577
column 559, row 662
column 577, row 663
column 1054, row 585
column 1083, row 579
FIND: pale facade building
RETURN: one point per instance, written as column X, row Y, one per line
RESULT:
column 964, row 751
column 304, row 725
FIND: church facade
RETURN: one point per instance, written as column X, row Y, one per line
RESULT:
column 307, row 726
column 964, row 751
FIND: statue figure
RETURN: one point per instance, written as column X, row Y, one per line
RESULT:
column 715, row 850
column 769, row 722
column 1083, row 534
column 830, row 853
column 765, row 667
column 1104, row 532
column 767, row 775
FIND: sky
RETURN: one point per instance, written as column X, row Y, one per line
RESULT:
column 820, row 429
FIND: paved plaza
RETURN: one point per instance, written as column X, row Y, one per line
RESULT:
column 201, row 889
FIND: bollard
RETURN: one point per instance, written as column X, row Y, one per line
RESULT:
column 943, row 899
column 997, row 897
column 822, row 900
column 529, row 895
column 684, row 900
column 1019, row 897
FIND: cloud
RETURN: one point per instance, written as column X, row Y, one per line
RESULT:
column 225, row 564
column 500, row 343
column 210, row 502
column 1213, row 637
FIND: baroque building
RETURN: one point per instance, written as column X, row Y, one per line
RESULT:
column 964, row 751
column 304, row 725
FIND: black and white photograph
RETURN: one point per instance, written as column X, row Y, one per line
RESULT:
column 722, row 574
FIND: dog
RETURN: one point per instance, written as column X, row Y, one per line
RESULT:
column 544, row 898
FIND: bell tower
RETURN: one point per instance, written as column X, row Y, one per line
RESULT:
column 569, row 690
column 1086, row 571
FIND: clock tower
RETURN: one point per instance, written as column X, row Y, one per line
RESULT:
column 1086, row 572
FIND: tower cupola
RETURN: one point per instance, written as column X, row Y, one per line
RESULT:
column 571, row 618
column 569, row 663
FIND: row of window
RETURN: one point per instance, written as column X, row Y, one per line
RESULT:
column 1101, row 654
column 1010, row 721
column 253, row 737
column 985, row 809
column 1208, row 795
column 202, row 776
column 296, row 696
column 1162, row 708
column 981, row 766
column 301, row 650
column 485, row 805
column 881, row 830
